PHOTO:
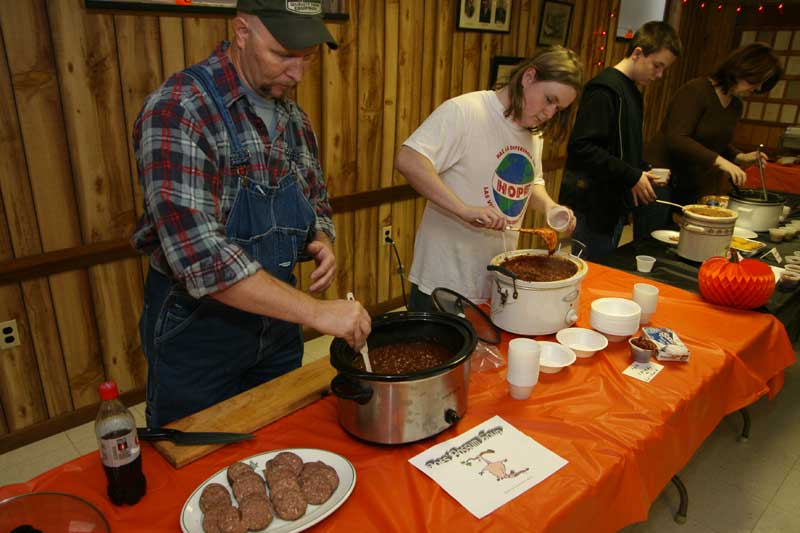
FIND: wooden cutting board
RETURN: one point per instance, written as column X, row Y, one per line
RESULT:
column 251, row 410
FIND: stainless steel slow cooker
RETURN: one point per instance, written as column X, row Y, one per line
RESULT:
column 705, row 231
column 395, row 409
column 756, row 212
column 535, row 307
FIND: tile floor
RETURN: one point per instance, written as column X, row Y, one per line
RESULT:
column 733, row 486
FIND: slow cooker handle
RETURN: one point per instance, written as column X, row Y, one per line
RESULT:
column 348, row 389
column 692, row 227
column 507, row 272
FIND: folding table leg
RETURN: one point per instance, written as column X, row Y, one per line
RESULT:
column 683, row 506
column 746, row 428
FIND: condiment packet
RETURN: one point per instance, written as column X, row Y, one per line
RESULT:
column 670, row 346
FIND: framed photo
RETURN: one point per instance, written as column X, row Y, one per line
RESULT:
column 484, row 15
column 554, row 24
column 502, row 66
column 632, row 14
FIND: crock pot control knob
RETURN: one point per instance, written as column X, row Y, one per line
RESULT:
column 451, row 417
column 572, row 317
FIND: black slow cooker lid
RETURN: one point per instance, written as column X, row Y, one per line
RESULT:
column 449, row 301
column 757, row 195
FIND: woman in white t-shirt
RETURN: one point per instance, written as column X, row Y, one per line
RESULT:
column 478, row 160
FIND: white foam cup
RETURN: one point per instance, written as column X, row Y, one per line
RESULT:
column 523, row 367
column 646, row 296
column 661, row 174
column 644, row 263
column 558, row 218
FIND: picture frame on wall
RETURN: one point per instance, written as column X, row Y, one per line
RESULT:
column 554, row 23
column 484, row 15
column 502, row 66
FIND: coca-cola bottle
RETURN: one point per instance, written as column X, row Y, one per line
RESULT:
column 119, row 448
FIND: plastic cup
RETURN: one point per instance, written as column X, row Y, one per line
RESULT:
column 558, row 218
column 523, row 367
column 644, row 263
column 661, row 174
column 646, row 296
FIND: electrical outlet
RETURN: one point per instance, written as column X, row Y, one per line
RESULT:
column 9, row 334
column 386, row 231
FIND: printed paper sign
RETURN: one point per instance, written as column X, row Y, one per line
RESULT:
column 643, row 371
column 489, row 465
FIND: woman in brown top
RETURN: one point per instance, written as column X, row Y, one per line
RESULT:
column 695, row 137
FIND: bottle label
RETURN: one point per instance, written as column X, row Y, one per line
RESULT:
column 119, row 450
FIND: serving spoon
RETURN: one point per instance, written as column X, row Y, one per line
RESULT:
column 364, row 349
column 669, row 203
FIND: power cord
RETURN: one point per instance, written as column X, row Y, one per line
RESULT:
column 388, row 239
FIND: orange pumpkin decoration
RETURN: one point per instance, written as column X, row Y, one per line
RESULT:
column 743, row 284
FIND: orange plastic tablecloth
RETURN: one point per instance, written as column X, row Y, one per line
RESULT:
column 624, row 439
column 778, row 177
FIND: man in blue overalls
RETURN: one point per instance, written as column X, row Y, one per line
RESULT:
column 234, row 196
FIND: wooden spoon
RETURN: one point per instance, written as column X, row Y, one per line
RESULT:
column 364, row 349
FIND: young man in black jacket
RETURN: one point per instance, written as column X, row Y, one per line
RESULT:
column 604, row 177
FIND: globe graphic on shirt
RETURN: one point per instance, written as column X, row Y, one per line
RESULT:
column 511, row 184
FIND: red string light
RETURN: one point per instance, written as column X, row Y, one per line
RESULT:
column 760, row 8
column 738, row 9
column 719, row 7
column 702, row 5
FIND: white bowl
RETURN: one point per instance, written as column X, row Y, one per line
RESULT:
column 554, row 356
column 618, row 317
column 584, row 342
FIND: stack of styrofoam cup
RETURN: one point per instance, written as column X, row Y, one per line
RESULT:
column 523, row 367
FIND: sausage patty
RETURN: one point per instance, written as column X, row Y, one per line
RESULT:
column 248, row 485
column 255, row 511
column 317, row 488
column 318, row 468
column 274, row 474
column 236, row 470
column 288, row 459
column 214, row 495
column 222, row 518
column 289, row 504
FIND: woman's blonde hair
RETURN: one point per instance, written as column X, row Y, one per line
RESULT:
column 556, row 64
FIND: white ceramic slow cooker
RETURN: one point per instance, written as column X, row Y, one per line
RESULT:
column 755, row 212
column 535, row 307
column 705, row 231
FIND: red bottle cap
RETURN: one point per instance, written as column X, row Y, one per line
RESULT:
column 108, row 390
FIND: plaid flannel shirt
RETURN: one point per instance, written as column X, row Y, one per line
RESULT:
column 182, row 154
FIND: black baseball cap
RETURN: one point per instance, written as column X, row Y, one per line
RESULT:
column 296, row 24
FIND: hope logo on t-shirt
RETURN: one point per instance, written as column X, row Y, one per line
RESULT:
column 511, row 183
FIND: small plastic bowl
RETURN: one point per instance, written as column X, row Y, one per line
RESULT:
column 616, row 318
column 584, row 342
column 51, row 511
column 792, row 259
column 641, row 355
column 553, row 357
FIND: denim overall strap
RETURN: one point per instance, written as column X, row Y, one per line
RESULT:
column 239, row 156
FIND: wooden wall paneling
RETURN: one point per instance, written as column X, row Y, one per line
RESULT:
column 487, row 52
column 391, row 51
column 430, row 22
column 201, row 36
column 40, row 114
column 340, row 106
column 42, row 338
column 522, row 34
column 370, row 127
column 309, row 98
column 408, row 115
column 443, row 52
column 170, row 31
column 91, row 96
column 472, row 56
column 138, row 49
column 22, row 396
column 456, row 61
